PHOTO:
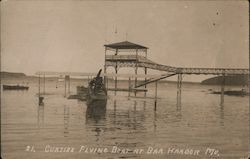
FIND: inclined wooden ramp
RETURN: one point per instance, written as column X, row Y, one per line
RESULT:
column 140, row 61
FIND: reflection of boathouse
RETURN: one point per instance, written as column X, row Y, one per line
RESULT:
column 99, row 118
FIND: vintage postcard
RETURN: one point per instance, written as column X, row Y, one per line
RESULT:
column 113, row 79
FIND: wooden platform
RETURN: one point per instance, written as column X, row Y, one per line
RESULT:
column 127, row 90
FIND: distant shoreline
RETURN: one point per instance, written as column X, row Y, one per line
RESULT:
column 229, row 80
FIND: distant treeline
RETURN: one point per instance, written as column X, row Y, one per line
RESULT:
column 229, row 80
column 12, row 75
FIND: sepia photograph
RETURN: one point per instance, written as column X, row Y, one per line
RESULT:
column 124, row 79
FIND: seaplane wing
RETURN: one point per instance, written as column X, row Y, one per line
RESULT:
column 51, row 73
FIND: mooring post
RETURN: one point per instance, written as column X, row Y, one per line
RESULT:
column 39, row 94
column 40, row 99
column 44, row 83
column 222, row 90
column 155, row 95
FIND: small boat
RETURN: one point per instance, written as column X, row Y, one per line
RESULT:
column 15, row 87
column 233, row 92
column 96, row 89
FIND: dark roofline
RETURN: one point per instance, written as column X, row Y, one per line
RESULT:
column 125, row 45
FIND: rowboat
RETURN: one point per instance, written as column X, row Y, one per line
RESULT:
column 15, row 87
column 233, row 92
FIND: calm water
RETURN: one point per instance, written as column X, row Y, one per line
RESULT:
column 200, row 122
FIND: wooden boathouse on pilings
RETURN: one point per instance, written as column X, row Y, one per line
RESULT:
column 125, row 54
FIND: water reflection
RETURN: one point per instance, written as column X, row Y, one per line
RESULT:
column 144, row 105
column 127, row 118
column 121, row 118
column 66, row 115
column 222, row 114
column 178, row 106
column 40, row 116
column 155, row 121
column 96, row 111
column 96, row 115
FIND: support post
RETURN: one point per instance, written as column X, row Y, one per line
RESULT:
column 116, row 52
column 116, row 79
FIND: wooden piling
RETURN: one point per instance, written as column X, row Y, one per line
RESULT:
column 155, row 94
column 39, row 93
column 44, row 84
column 116, row 70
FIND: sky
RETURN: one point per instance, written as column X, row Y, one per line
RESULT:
column 65, row 35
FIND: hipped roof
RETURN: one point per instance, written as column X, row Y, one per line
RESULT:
column 125, row 45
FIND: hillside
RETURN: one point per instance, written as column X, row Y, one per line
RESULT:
column 229, row 80
column 12, row 75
